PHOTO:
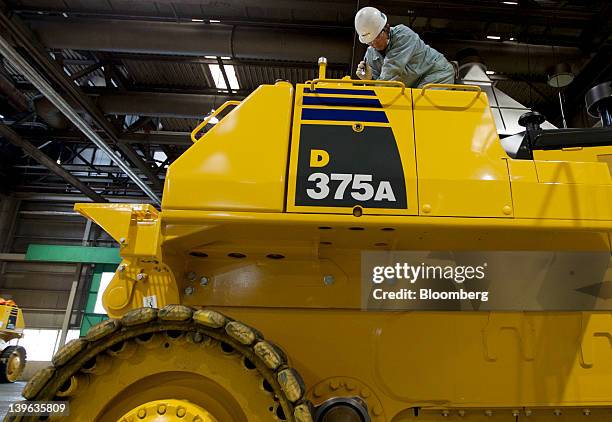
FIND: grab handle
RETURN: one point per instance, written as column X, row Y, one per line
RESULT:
column 458, row 87
column 397, row 84
column 209, row 117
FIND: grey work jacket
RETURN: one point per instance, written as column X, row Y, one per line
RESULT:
column 408, row 59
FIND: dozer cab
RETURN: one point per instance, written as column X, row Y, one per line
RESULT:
column 12, row 358
column 240, row 300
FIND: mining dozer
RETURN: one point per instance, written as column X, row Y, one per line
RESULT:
column 240, row 299
column 12, row 358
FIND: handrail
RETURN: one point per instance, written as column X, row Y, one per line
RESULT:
column 458, row 87
column 398, row 84
column 209, row 117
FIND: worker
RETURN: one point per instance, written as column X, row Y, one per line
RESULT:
column 397, row 53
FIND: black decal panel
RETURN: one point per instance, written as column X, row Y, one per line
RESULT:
column 369, row 157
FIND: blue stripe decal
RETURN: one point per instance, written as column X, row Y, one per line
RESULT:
column 344, row 115
column 348, row 102
column 339, row 91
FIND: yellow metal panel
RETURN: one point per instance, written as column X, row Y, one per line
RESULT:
column 461, row 360
column 397, row 106
column 241, row 163
column 134, row 226
column 572, row 172
column 603, row 153
column 461, row 164
column 16, row 332
column 608, row 160
column 138, row 283
column 286, row 221
column 576, row 191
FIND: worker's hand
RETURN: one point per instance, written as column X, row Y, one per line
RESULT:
column 364, row 71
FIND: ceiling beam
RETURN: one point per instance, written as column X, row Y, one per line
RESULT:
column 288, row 12
column 154, row 138
column 245, row 44
column 42, row 158
column 240, row 42
column 28, row 41
column 149, row 104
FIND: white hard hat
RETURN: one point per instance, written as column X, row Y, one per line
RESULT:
column 369, row 22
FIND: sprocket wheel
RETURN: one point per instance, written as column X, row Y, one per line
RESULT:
column 198, row 363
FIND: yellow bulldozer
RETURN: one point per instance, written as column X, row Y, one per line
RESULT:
column 12, row 358
column 241, row 300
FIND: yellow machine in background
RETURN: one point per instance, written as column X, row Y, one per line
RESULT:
column 12, row 358
column 253, row 239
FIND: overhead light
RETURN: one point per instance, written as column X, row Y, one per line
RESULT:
column 493, row 37
column 210, row 57
column 226, row 58
column 512, row 39
column 560, row 75
column 197, row 20
column 1, row 116
column 217, row 75
column 511, row 3
column 113, row 83
column 214, row 21
column 58, row 161
column 490, row 72
column 65, row 14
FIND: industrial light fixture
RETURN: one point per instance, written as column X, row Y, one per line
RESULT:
column 218, row 78
column 58, row 161
column 512, row 39
column 197, row 20
column 493, row 37
column 490, row 72
column 214, row 21
column 226, row 58
column 511, row 3
column 210, row 57
column 560, row 75
column 1, row 116
column 65, row 14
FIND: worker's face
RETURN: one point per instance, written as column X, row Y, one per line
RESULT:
column 381, row 41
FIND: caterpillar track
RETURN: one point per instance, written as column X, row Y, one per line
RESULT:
column 190, row 341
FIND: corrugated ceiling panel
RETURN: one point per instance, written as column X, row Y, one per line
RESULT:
column 171, row 74
column 250, row 76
